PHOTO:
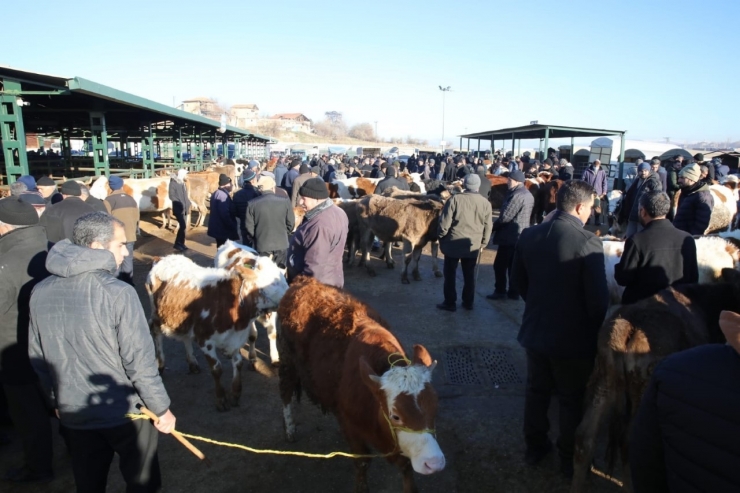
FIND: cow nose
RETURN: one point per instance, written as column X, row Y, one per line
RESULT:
column 435, row 464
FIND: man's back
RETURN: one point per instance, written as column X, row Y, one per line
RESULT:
column 124, row 208
column 685, row 433
column 655, row 258
column 270, row 220
column 559, row 271
column 97, row 352
column 59, row 219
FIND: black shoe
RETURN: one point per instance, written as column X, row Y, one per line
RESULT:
column 496, row 296
column 25, row 475
column 445, row 306
column 467, row 307
column 534, row 455
column 512, row 296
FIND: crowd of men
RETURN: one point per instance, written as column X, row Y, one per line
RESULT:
column 67, row 286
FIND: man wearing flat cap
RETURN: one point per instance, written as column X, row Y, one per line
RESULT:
column 515, row 215
column 222, row 219
column 48, row 189
column 695, row 202
column 464, row 229
column 59, row 218
column 246, row 194
column 306, row 173
column 647, row 181
column 269, row 221
column 317, row 247
column 22, row 263
column 178, row 194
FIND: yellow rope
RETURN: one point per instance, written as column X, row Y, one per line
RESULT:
column 306, row 454
column 268, row 451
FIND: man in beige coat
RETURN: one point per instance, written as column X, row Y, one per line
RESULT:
column 464, row 229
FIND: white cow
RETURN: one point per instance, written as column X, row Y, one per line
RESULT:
column 228, row 256
column 212, row 307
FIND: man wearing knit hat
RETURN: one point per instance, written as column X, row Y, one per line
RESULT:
column 222, row 218
column 695, row 202
column 290, row 176
column 269, row 220
column 22, row 261
column 514, row 216
column 59, row 218
column 317, row 246
column 246, row 194
column 391, row 180
column 464, row 230
column 48, row 189
column 124, row 208
column 178, row 194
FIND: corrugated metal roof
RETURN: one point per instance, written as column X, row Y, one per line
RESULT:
column 80, row 85
column 537, row 131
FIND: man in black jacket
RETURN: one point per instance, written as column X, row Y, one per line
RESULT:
column 559, row 271
column 391, row 180
column 269, row 221
column 513, row 218
column 22, row 257
column 246, row 194
column 684, row 437
column 90, row 346
column 695, row 203
column 58, row 219
column 658, row 256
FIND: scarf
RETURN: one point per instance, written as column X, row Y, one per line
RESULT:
column 318, row 210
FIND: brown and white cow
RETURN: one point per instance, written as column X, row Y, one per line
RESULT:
column 151, row 194
column 343, row 355
column 229, row 256
column 412, row 221
column 631, row 343
column 214, row 308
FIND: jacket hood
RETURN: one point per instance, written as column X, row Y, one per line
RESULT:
column 66, row 259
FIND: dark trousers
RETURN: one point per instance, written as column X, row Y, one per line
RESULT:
column 468, row 270
column 180, row 216
column 502, row 268
column 278, row 256
column 30, row 415
column 136, row 445
column 126, row 272
column 220, row 241
column 567, row 378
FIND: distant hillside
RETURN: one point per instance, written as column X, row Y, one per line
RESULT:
column 710, row 146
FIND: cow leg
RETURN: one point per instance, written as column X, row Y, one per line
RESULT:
column 435, row 262
column 270, row 325
column 289, row 385
column 367, row 239
column 408, row 253
column 236, row 383
column 587, row 433
column 158, row 351
column 358, row 446
column 216, row 370
column 193, row 366
column 252, row 343
column 388, row 252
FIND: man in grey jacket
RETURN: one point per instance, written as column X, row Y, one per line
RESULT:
column 464, row 229
column 90, row 345
column 513, row 218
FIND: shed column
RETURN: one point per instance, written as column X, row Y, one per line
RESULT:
column 572, row 149
column 547, row 143
column 177, row 144
column 513, row 140
column 66, row 148
column 620, row 178
column 198, row 149
column 12, row 133
column 147, row 150
column 99, row 143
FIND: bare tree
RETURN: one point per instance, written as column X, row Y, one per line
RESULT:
column 362, row 131
column 270, row 127
column 326, row 128
column 334, row 117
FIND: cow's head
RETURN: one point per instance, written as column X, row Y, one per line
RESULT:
column 409, row 402
column 264, row 276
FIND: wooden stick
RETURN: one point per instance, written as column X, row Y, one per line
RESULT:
column 177, row 435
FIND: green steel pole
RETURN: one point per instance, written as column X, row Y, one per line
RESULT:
column 12, row 133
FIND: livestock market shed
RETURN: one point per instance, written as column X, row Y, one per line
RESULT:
column 543, row 133
column 114, row 131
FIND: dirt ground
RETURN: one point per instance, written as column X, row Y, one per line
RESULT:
column 480, row 381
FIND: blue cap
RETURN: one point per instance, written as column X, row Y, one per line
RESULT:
column 29, row 181
column 643, row 167
column 115, row 182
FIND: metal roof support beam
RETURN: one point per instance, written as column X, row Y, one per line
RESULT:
column 12, row 133
column 99, row 143
column 513, row 140
column 177, row 145
column 620, row 176
column 547, row 144
column 198, row 150
column 147, row 150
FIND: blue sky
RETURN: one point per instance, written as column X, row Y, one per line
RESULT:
column 655, row 68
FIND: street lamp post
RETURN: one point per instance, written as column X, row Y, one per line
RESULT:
column 444, row 90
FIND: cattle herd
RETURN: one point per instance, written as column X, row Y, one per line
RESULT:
column 343, row 355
